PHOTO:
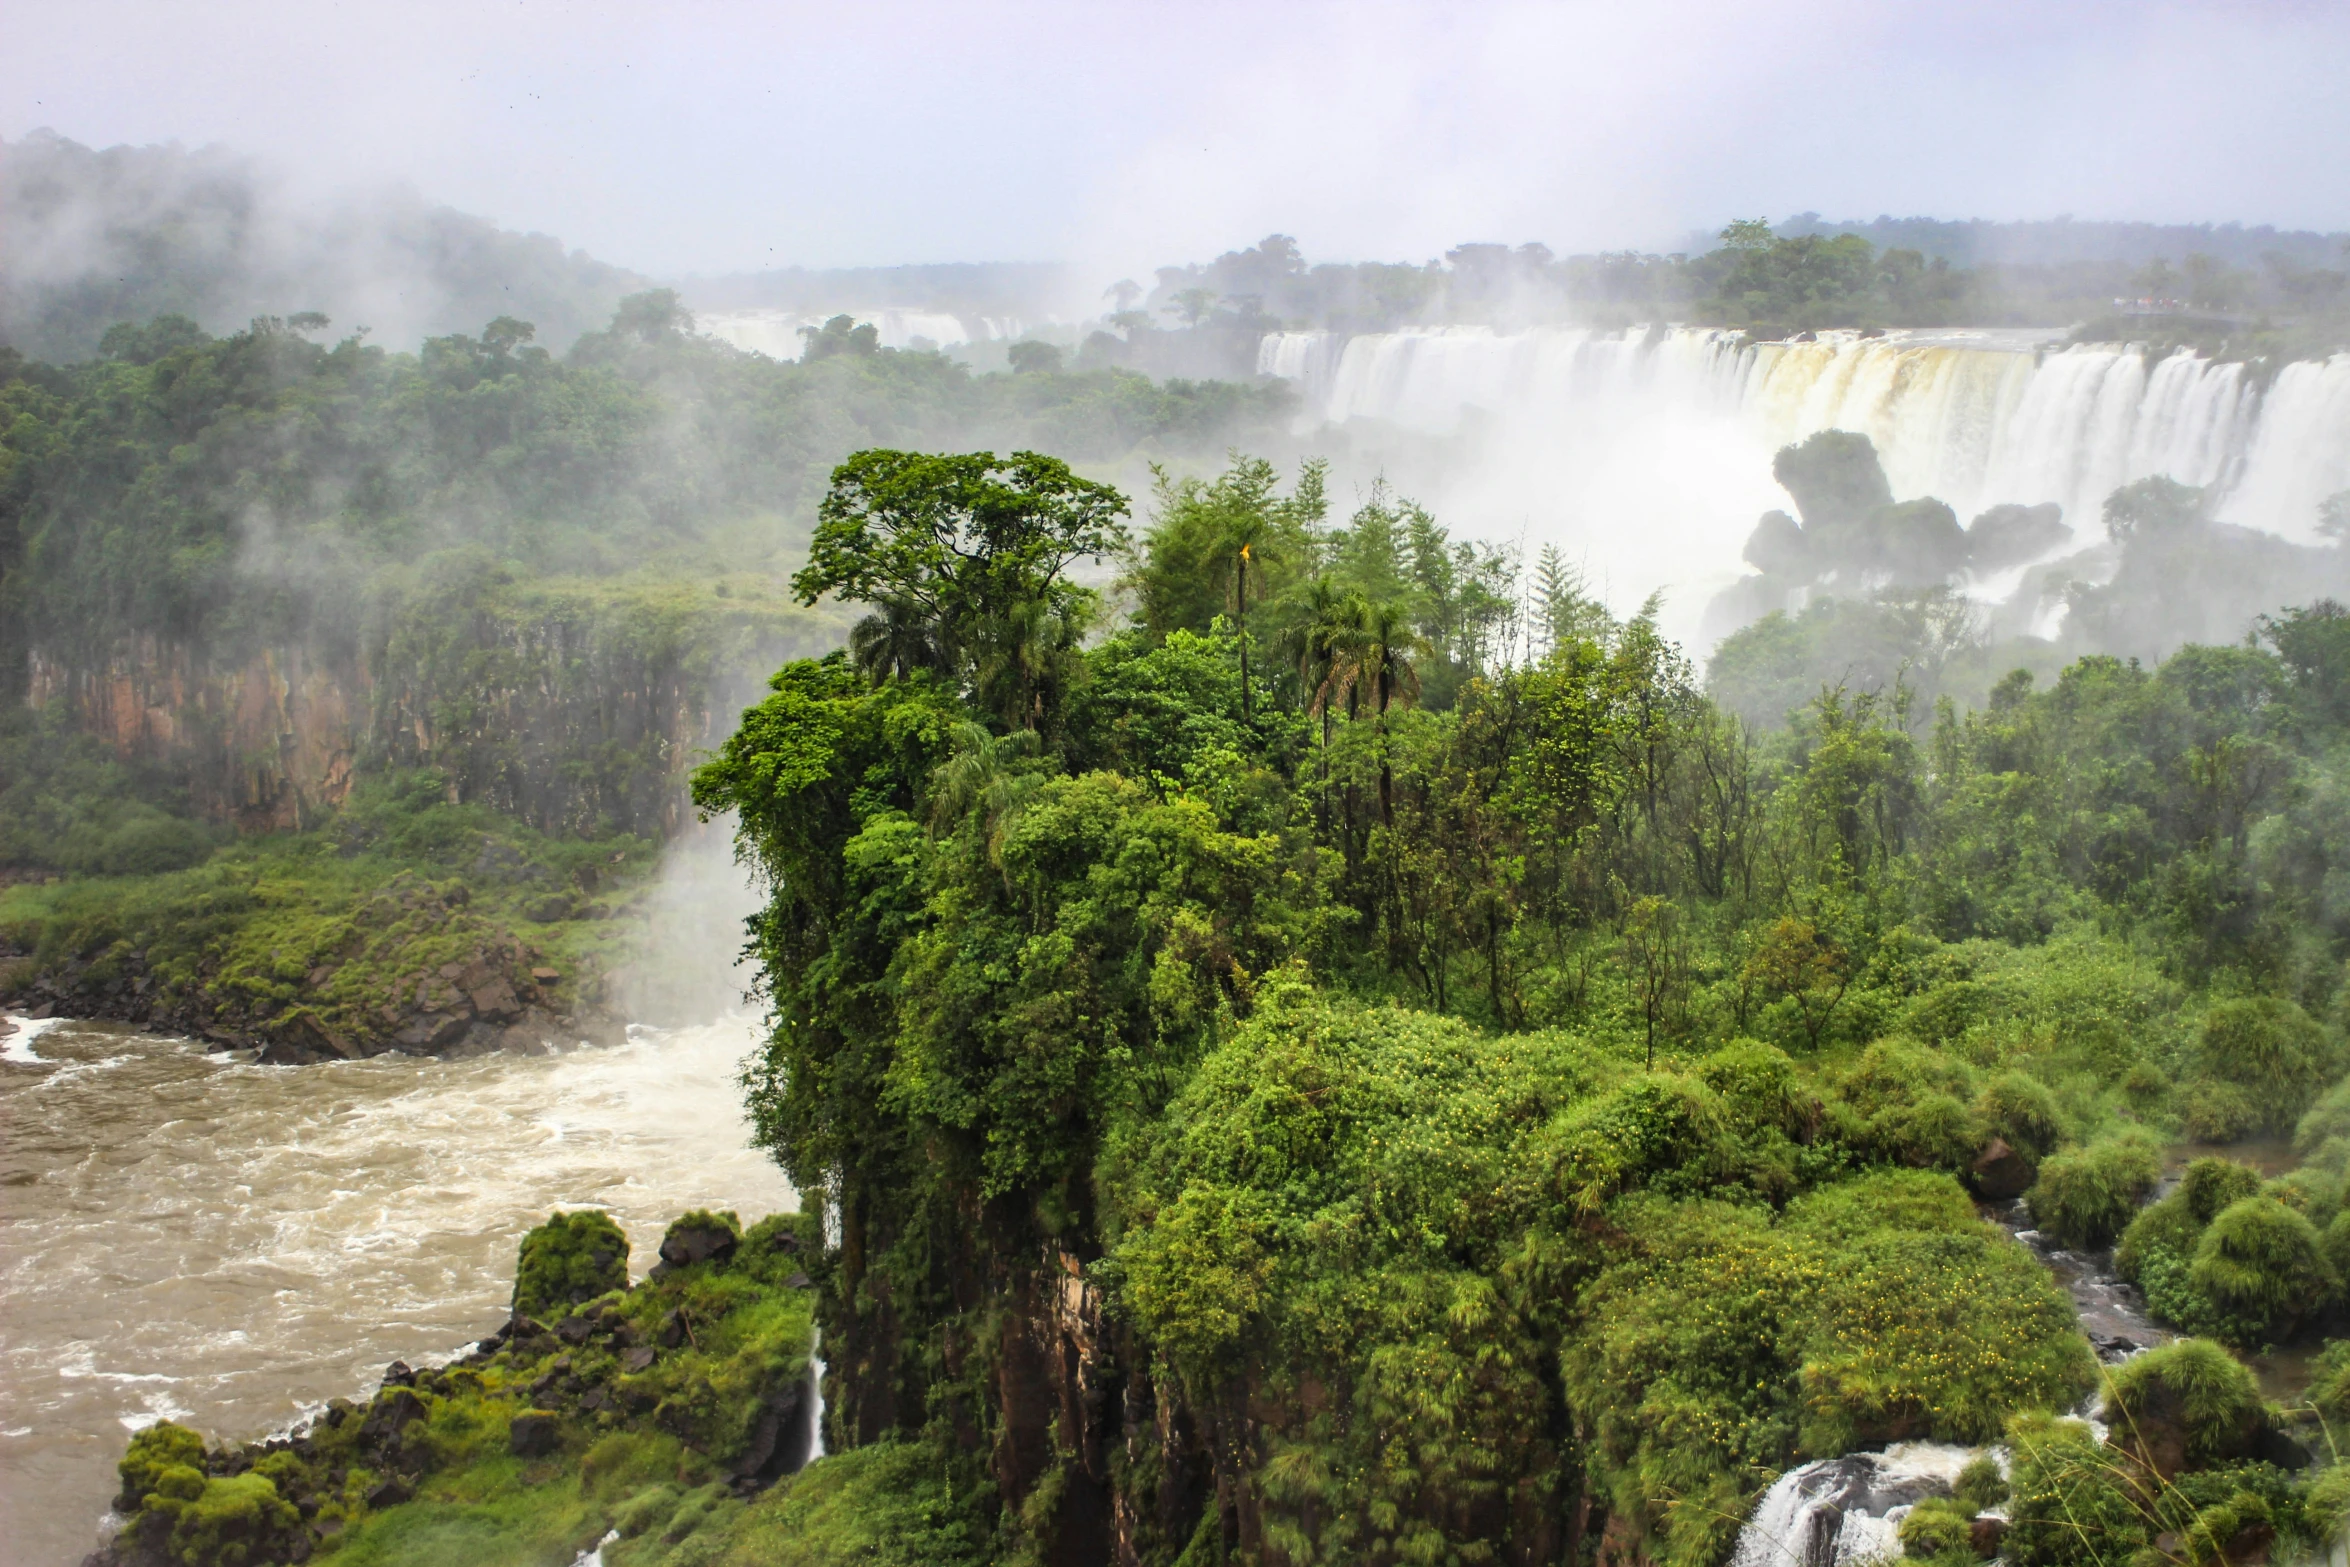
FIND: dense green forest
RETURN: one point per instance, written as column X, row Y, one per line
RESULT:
column 1295, row 1084
column 241, row 576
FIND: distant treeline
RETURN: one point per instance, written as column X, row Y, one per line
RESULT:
column 1799, row 276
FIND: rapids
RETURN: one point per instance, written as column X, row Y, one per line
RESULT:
column 186, row 1235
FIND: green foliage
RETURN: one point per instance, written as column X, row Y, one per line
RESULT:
column 569, row 1260
column 1935, row 1528
column 2086, row 1196
column 2071, row 1503
column 2190, row 1393
column 2271, row 1049
column 1980, row 1484
column 2261, row 1260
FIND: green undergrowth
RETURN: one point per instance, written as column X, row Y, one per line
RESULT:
column 351, row 924
column 665, row 1412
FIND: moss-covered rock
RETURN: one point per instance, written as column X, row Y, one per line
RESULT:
column 2185, row 1403
column 533, row 1446
column 569, row 1260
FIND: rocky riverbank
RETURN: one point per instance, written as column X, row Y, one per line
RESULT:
column 658, row 1411
column 252, row 958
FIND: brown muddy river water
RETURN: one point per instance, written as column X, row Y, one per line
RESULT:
column 188, row 1236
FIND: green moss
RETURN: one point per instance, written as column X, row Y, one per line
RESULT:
column 2020, row 1108
column 2209, row 1184
column 569, row 1260
column 161, row 1447
column 2211, row 1111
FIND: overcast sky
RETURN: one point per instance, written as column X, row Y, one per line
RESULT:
column 718, row 136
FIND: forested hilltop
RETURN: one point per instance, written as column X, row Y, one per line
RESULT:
column 464, row 615
column 1303, row 1078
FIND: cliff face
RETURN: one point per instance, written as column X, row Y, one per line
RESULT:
column 571, row 710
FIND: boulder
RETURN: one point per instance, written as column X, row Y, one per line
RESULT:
column 2001, row 1174
column 639, row 1359
column 574, row 1330
column 495, row 1000
column 1984, row 1535
column 395, row 1409
column 534, row 1434
column 698, row 1237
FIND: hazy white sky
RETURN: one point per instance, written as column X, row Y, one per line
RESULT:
column 721, row 136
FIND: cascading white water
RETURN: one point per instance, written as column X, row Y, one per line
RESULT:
column 1842, row 1512
column 1648, row 451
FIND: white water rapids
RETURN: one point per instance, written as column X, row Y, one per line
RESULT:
column 184, row 1235
column 1646, row 453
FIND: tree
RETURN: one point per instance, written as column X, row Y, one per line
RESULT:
column 1657, row 960
column 969, row 543
column 1803, row 966
column 840, row 336
column 1193, row 304
column 1030, row 357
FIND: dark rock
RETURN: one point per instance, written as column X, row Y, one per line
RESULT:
column 546, row 976
column 799, row 1281
column 779, row 1443
column 397, row 1374
column 2275, row 1447
column 2000, row 1173
column 390, row 1491
column 593, row 1399
column 533, row 1434
column 1984, row 1535
column 395, row 1410
column 495, row 1000
column 339, row 1410
column 574, row 1329
column 639, row 1359
column 673, row 1328
column 692, row 1240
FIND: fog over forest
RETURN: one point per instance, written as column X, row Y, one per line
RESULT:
column 1175, row 786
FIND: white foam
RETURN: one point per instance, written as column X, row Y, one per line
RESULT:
column 17, row 1044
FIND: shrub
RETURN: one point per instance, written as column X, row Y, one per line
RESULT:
column 2019, row 1107
column 572, row 1258
column 2216, row 1112
column 1757, row 1083
column 2272, row 1049
column 2210, row 1184
column 2260, row 1260
column 2329, row 1389
column 1935, row 1527
column 2085, row 1196
column 2190, row 1402
column 1933, row 1132
column 2333, row 1244
column 2328, row 1118
column 1980, row 1484
column 2070, row 1505
column 162, row 1446
column 2168, row 1228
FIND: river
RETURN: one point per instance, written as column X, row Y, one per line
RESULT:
column 186, row 1235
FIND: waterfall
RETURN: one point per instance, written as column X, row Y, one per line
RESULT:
column 1649, row 448
column 1842, row 1512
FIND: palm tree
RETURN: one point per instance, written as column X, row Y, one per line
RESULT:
column 1387, row 644
column 898, row 638
column 1251, row 534
column 1315, row 645
column 979, row 781
column 1021, row 654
